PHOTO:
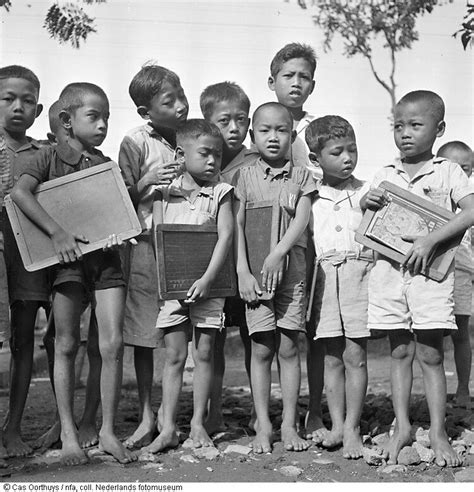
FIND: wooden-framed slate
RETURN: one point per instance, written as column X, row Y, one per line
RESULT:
column 93, row 202
column 262, row 224
column 407, row 214
column 183, row 253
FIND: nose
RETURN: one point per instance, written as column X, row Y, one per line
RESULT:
column 347, row 158
column 233, row 126
column 181, row 106
column 102, row 124
column 18, row 105
column 296, row 82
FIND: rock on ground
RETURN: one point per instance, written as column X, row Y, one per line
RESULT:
column 291, row 471
column 426, row 455
column 408, row 456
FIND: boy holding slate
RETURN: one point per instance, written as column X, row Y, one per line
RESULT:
column 84, row 113
column 196, row 197
column 274, row 325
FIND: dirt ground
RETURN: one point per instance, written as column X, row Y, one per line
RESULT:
column 186, row 465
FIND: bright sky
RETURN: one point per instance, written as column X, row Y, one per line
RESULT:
column 211, row 41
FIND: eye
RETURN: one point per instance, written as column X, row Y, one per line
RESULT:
column 223, row 121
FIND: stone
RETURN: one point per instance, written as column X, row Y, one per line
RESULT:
column 147, row 457
column 422, row 437
column 468, row 437
column 153, row 466
column 426, row 455
column 408, row 456
column 290, row 471
column 188, row 444
column 389, row 469
column 208, row 453
column 187, row 458
column 372, row 456
column 237, row 448
column 461, row 450
column 466, row 475
column 322, row 461
column 471, row 451
column 380, row 439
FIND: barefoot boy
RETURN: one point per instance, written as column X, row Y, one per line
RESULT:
column 415, row 309
column 274, row 325
column 196, row 197
column 341, row 296
column 85, row 114
column 147, row 160
column 19, row 91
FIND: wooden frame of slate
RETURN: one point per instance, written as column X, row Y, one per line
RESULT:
column 380, row 231
column 93, row 202
column 262, row 225
column 183, row 253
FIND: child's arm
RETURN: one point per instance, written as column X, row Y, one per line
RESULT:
column 65, row 244
column 200, row 288
column 249, row 289
column 416, row 259
column 273, row 266
column 374, row 199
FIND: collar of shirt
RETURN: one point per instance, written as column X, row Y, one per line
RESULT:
column 273, row 172
column 72, row 156
column 153, row 133
column 428, row 168
column 237, row 160
column 304, row 122
column 31, row 144
column 353, row 185
column 176, row 189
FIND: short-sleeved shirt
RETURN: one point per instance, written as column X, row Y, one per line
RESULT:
column 244, row 158
column 142, row 150
column 261, row 182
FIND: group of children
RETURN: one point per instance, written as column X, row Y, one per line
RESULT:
column 199, row 172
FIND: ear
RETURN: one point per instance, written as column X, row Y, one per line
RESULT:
column 293, row 136
column 143, row 112
column 271, row 83
column 65, row 118
column 39, row 110
column 441, row 129
column 313, row 159
column 252, row 137
column 179, row 155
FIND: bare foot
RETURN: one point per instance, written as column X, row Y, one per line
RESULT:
column 15, row 445
column 399, row 439
column 51, row 437
column 444, row 453
column 109, row 443
column 73, row 455
column 332, row 439
column 352, row 444
column 292, row 441
column 263, row 440
column 159, row 419
column 88, row 435
column 215, row 424
column 253, row 422
column 165, row 440
column 314, row 427
column 200, row 437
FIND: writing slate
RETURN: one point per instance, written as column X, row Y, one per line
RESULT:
column 407, row 214
column 183, row 253
column 262, row 224
column 93, row 202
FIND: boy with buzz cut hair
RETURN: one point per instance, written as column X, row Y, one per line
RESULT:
column 414, row 309
column 339, row 318
column 227, row 106
column 461, row 153
column 274, row 325
column 292, row 79
column 147, row 160
column 27, row 291
column 84, row 114
column 196, row 197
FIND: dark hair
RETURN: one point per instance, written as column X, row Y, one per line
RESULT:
column 321, row 130
column 272, row 104
column 72, row 96
column 148, row 81
column 434, row 101
column 53, row 116
column 194, row 128
column 19, row 72
column 453, row 145
column 223, row 91
column 290, row 51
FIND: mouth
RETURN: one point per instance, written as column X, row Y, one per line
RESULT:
column 295, row 93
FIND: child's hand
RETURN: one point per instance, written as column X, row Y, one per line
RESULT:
column 198, row 291
column 249, row 289
column 374, row 199
column 113, row 242
column 163, row 174
column 272, row 272
column 67, row 247
column 416, row 260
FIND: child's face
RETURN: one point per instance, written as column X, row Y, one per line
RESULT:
column 202, row 157
column 272, row 133
column 415, row 129
column 463, row 157
column 232, row 119
column 18, row 105
column 293, row 83
column 337, row 159
column 88, row 124
column 169, row 108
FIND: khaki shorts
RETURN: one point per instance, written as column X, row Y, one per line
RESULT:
column 462, row 293
column 401, row 301
column 341, row 300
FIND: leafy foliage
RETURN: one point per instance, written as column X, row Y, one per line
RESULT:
column 6, row 3
column 467, row 30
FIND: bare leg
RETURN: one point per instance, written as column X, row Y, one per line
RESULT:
column 203, row 348
column 402, row 347
column 462, row 359
column 263, row 350
column 109, row 315
column 176, row 343
column 247, row 342
column 290, row 379
column 430, row 357
column 315, row 429
column 214, row 420
column 355, row 362
column 23, row 316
